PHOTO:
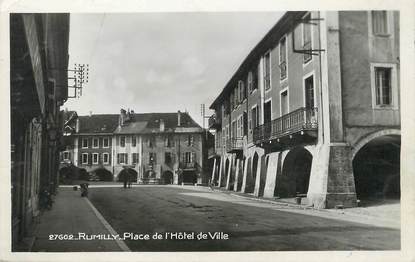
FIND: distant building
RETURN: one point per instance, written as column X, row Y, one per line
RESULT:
column 158, row 148
column 313, row 111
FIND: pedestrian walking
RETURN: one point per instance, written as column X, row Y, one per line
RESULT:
column 130, row 178
column 125, row 177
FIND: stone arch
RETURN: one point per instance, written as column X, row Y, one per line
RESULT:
column 240, row 174
column 376, row 166
column 295, row 174
column 225, row 172
column 123, row 173
column 103, row 174
column 167, row 177
column 366, row 139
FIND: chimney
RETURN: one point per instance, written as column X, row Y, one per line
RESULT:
column 161, row 125
column 122, row 118
column 77, row 126
column 90, row 113
column 179, row 118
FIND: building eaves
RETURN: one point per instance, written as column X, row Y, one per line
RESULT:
column 267, row 42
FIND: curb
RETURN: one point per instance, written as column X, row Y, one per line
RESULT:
column 119, row 242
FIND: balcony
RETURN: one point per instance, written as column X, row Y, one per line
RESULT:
column 302, row 120
column 189, row 166
column 214, row 122
column 213, row 152
column 234, row 145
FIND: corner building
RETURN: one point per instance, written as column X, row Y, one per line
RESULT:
column 313, row 111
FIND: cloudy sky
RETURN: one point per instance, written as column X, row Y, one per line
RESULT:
column 160, row 62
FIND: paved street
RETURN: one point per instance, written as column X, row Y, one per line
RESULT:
column 251, row 225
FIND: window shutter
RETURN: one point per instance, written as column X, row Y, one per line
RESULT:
column 126, row 158
column 117, row 141
column 193, row 157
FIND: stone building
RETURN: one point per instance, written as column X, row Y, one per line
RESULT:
column 38, row 87
column 313, row 111
column 158, row 148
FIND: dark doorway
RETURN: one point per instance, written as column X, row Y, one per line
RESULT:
column 104, row 175
column 168, row 177
column 132, row 172
column 267, row 112
column 376, row 169
column 295, row 173
column 189, row 177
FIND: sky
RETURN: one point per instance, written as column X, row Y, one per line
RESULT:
column 160, row 62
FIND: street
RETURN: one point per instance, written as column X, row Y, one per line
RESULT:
column 251, row 226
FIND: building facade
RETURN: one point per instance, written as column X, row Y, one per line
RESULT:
column 38, row 87
column 158, row 148
column 313, row 111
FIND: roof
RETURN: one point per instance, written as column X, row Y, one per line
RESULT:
column 139, row 123
column 267, row 42
column 105, row 123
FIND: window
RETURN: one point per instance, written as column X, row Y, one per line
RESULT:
column 95, row 143
column 241, row 88
column 233, row 130
column 150, row 142
column 189, row 157
column 106, row 142
column 168, row 157
column 309, row 92
column 66, row 155
column 380, row 22
column 122, row 158
column 283, row 58
column 168, row 141
column 134, row 141
column 85, row 158
column 122, row 141
column 255, row 117
column 190, row 140
column 95, row 157
column 383, row 86
column 239, row 132
column 135, row 158
column 105, row 158
column 307, row 43
column 152, row 159
column 85, row 143
column 267, row 71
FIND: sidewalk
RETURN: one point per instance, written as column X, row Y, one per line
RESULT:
column 381, row 216
column 72, row 214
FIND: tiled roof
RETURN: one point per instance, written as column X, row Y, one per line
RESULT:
column 98, row 123
column 139, row 123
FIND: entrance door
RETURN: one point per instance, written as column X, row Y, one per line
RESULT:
column 267, row 112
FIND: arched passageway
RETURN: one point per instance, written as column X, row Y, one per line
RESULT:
column 189, row 177
column 251, row 176
column 376, row 169
column 225, row 174
column 103, row 174
column 168, row 177
column 240, row 174
column 295, row 176
column 133, row 174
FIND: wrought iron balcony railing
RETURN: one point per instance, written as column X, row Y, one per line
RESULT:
column 234, row 144
column 301, row 119
column 214, row 121
column 188, row 165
